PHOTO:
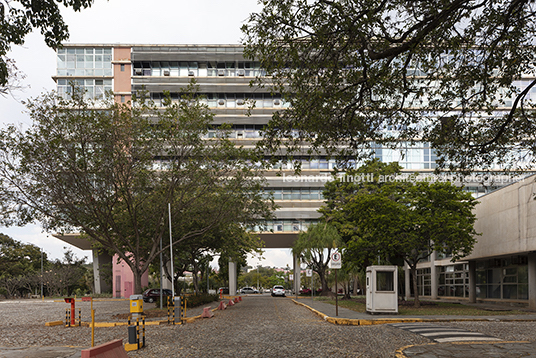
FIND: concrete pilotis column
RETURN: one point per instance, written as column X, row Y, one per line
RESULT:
column 433, row 276
column 99, row 260
column 472, row 281
column 232, row 278
column 532, row 280
column 297, row 274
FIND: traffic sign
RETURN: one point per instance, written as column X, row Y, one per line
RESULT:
column 336, row 261
column 309, row 273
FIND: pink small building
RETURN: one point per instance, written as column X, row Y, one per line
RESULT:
column 123, row 280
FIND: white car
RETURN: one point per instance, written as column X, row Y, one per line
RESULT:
column 278, row 291
column 247, row 290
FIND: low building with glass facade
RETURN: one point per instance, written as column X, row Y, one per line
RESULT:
column 502, row 265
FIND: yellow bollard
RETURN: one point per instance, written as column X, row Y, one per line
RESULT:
column 92, row 327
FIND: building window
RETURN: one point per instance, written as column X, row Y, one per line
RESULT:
column 122, row 98
column 122, row 68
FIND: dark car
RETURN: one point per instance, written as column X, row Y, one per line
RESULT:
column 305, row 291
column 153, row 294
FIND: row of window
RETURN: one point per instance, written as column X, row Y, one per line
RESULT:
column 295, row 193
column 84, row 62
column 284, row 226
column 197, row 69
column 229, row 100
column 496, row 278
column 94, row 89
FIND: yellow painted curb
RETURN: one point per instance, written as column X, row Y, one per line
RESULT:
column 54, row 323
column 368, row 322
column 400, row 351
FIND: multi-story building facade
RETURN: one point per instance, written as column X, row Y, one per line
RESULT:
column 224, row 75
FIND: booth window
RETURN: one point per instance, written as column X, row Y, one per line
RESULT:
column 384, row 281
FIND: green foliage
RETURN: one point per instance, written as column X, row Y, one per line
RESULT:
column 199, row 300
column 19, row 17
column 18, row 259
column 111, row 173
column 400, row 219
column 314, row 247
column 389, row 72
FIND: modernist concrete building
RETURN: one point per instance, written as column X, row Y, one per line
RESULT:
column 223, row 76
column 502, row 266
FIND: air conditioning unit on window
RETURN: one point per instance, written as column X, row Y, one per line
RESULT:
column 276, row 102
column 240, row 102
column 221, row 72
column 241, row 72
column 190, row 73
column 138, row 71
column 221, row 102
column 166, row 72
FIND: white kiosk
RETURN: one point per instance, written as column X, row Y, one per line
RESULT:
column 382, row 293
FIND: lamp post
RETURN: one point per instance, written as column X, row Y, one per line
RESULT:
column 258, row 264
column 42, row 297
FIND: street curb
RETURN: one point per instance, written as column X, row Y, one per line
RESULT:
column 400, row 351
column 374, row 321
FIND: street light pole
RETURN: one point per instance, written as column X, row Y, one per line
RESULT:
column 42, row 297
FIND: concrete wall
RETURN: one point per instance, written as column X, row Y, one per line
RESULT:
column 506, row 218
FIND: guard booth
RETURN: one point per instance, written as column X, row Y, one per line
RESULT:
column 382, row 293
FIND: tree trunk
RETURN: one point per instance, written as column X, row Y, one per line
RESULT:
column 137, row 281
column 416, row 301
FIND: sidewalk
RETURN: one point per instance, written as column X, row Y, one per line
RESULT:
column 441, row 350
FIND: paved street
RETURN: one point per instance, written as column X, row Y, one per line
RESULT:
column 261, row 325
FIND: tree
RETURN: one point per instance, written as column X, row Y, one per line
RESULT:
column 17, row 258
column 457, row 74
column 401, row 219
column 111, row 173
column 315, row 246
column 18, row 18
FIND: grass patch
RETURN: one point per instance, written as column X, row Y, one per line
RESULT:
column 427, row 308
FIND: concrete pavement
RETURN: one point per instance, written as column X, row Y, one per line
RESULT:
column 496, row 348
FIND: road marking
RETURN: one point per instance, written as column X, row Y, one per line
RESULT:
column 443, row 333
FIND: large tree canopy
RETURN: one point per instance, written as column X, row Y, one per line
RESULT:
column 400, row 219
column 358, row 73
column 19, row 17
column 111, row 172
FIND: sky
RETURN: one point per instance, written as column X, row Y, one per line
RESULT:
column 125, row 22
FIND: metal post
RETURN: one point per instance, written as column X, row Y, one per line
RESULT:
column 336, row 295
column 143, row 330
column 138, row 331
column 171, row 253
column 161, row 269
column 79, row 317
column 42, row 274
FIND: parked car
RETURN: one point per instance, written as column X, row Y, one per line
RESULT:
column 246, row 290
column 153, row 294
column 305, row 291
column 278, row 291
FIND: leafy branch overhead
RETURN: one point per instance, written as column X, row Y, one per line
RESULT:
column 457, row 74
column 19, row 17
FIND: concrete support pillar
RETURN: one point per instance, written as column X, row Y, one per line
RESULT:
column 297, row 274
column 472, row 281
column 99, row 282
column 433, row 276
column 407, row 281
column 532, row 280
column 232, row 278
